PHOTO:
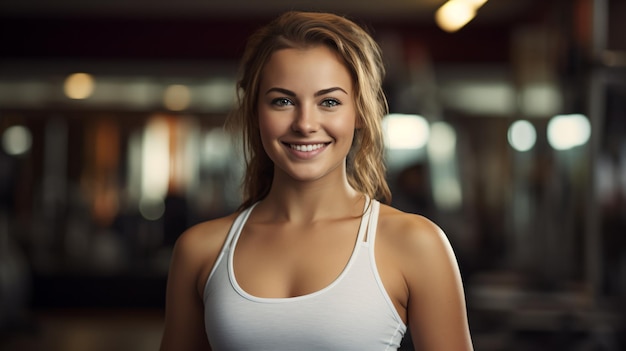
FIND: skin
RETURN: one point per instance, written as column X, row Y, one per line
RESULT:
column 300, row 237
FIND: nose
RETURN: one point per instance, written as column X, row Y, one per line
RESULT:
column 305, row 120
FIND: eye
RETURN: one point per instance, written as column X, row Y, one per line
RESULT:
column 281, row 102
column 330, row 103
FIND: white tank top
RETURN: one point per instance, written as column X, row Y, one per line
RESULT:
column 354, row 312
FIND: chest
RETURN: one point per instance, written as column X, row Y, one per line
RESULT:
column 353, row 313
column 278, row 261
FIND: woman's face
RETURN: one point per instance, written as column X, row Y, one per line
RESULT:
column 306, row 112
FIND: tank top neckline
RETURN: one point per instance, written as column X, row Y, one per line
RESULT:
column 363, row 228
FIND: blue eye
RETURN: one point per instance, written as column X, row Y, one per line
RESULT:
column 281, row 102
column 330, row 103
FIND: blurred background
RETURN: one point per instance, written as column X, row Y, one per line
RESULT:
column 507, row 127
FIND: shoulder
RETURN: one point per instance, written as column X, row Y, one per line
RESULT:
column 415, row 232
column 415, row 240
column 193, row 256
column 205, row 235
column 418, row 251
column 197, row 248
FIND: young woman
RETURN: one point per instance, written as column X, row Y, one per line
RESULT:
column 313, row 260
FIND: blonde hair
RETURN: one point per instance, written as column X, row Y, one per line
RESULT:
column 363, row 58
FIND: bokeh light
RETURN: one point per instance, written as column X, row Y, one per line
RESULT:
column 177, row 97
column 522, row 135
column 151, row 208
column 568, row 131
column 454, row 14
column 407, row 132
column 79, row 86
column 442, row 141
column 16, row 140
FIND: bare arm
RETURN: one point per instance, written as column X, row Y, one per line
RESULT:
column 194, row 253
column 437, row 315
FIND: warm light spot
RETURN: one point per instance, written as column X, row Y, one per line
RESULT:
column 454, row 14
column 79, row 86
column 155, row 165
column 568, row 131
column 405, row 131
column 177, row 97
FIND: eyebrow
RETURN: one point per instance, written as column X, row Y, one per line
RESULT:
column 291, row 93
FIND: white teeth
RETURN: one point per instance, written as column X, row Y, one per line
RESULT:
column 306, row 148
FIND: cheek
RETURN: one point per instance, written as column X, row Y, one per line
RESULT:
column 345, row 126
column 269, row 128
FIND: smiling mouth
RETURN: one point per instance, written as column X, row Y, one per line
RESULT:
column 308, row 147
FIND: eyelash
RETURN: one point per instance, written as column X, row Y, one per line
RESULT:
column 281, row 102
column 333, row 102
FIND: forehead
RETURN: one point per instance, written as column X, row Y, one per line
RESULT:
column 310, row 66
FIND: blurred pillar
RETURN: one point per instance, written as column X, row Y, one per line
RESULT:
column 535, row 236
column 598, row 17
column 54, row 187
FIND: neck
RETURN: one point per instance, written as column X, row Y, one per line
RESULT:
column 307, row 202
